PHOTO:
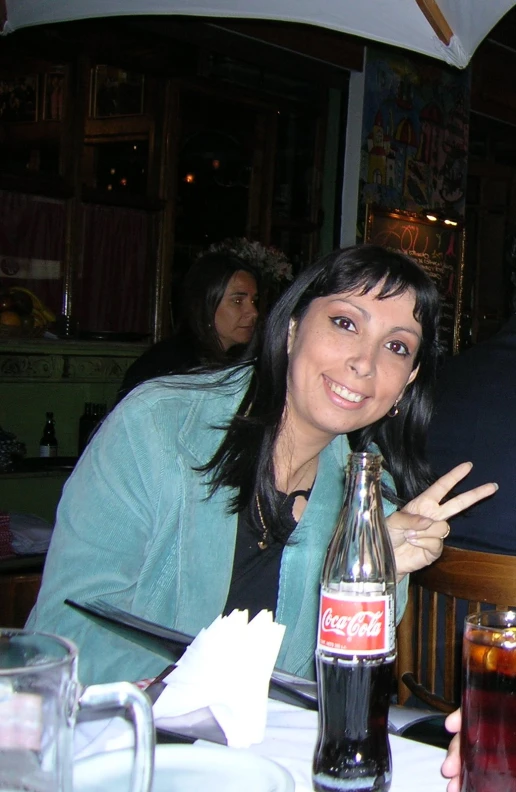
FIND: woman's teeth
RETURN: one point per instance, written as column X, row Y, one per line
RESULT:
column 344, row 393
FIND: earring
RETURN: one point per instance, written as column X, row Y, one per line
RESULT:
column 392, row 413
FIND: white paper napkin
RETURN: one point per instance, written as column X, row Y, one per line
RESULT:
column 227, row 668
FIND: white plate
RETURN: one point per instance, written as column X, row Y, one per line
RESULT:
column 185, row 768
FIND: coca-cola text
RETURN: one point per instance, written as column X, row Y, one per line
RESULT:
column 363, row 623
column 348, row 626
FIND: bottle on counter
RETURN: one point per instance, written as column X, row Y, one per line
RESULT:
column 92, row 416
column 48, row 442
column 356, row 640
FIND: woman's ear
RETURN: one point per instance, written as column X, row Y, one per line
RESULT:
column 292, row 325
column 413, row 375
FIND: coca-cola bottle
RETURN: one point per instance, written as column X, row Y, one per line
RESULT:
column 356, row 640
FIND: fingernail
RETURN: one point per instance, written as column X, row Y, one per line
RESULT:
column 495, row 485
column 410, row 534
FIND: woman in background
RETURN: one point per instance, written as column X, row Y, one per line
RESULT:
column 218, row 318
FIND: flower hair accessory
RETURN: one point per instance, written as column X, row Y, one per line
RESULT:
column 270, row 261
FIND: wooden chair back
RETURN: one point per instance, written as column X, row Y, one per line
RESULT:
column 18, row 595
column 435, row 593
column 20, row 580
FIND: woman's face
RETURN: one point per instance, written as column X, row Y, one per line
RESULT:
column 350, row 358
column 236, row 313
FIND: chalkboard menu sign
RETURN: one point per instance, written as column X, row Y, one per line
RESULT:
column 437, row 247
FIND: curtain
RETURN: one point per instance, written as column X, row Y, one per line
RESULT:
column 32, row 245
column 115, row 275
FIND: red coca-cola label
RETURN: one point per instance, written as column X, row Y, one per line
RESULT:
column 351, row 625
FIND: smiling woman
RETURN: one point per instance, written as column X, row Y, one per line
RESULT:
column 218, row 490
column 351, row 359
column 349, row 319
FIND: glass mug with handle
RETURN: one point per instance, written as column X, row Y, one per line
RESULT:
column 40, row 696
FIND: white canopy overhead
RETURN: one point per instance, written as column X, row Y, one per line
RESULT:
column 449, row 30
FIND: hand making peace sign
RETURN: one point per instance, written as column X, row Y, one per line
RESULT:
column 418, row 530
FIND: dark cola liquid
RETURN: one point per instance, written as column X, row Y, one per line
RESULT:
column 352, row 751
column 488, row 737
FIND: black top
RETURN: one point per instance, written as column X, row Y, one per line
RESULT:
column 474, row 420
column 255, row 577
column 176, row 355
column 161, row 358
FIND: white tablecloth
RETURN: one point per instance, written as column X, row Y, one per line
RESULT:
column 290, row 740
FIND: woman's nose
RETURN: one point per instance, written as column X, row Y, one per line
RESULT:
column 363, row 364
column 252, row 311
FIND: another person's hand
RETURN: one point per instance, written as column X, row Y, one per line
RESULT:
column 418, row 530
column 451, row 765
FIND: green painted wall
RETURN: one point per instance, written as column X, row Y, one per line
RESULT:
column 37, row 376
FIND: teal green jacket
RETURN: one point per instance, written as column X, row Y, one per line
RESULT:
column 136, row 525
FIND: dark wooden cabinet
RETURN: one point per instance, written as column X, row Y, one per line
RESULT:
column 128, row 154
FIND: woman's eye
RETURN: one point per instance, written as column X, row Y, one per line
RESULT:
column 398, row 348
column 344, row 323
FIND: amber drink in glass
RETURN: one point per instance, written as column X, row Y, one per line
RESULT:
column 488, row 735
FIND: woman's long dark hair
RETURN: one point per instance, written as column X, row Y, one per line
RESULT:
column 244, row 460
